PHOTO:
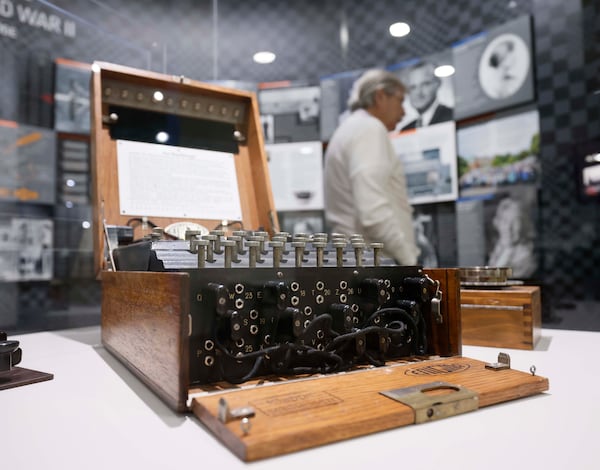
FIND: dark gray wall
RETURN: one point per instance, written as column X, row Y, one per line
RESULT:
column 207, row 40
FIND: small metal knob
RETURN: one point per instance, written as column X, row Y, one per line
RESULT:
column 377, row 247
column 358, row 252
column 299, row 252
column 339, row 246
column 277, row 247
column 253, row 252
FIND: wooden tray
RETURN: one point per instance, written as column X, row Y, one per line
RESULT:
column 302, row 414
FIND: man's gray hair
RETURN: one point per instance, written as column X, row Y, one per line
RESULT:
column 363, row 90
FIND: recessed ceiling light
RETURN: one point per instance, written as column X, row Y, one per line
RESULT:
column 444, row 71
column 399, row 29
column 264, row 57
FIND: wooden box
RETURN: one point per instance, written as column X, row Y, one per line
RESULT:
column 507, row 317
column 148, row 317
column 125, row 106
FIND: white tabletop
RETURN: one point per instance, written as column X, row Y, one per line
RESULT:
column 95, row 414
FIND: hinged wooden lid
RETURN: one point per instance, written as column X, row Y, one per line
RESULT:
column 207, row 116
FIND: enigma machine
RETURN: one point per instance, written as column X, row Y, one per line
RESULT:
column 275, row 341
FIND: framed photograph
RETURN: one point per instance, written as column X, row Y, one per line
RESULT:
column 290, row 114
column 494, row 69
column 429, row 99
column 26, row 249
column 429, row 158
column 72, row 97
column 296, row 175
column 498, row 152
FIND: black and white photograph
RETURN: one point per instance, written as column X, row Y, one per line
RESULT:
column 72, row 97
column 296, row 171
column 499, row 230
column 510, row 221
column 494, row 69
column 290, row 114
column 429, row 98
column 26, row 249
column 504, row 65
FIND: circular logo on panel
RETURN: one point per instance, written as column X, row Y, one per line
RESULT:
column 436, row 369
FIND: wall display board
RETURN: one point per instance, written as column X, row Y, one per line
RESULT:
column 72, row 97
column 499, row 168
column 429, row 158
column 27, row 163
column 494, row 69
column 335, row 91
column 290, row 114
column 296, row 175
column 428, row 99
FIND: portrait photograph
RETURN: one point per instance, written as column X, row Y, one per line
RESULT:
column 494, row 69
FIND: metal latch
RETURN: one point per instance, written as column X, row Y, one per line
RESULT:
column 436, row 301
column 503, row 362
column 225, row 415
column 429, row 404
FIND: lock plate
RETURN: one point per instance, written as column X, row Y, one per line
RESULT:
column 435, row 400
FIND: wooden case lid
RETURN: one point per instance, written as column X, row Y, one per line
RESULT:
column 208, row 114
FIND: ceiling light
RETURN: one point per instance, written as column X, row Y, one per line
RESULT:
column 399, row 30
column 264, row 57
column 444, row 71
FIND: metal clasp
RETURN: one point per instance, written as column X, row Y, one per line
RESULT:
column 503, row 362
column 433, row 406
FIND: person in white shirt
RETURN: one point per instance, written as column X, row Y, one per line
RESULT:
column 365, row 184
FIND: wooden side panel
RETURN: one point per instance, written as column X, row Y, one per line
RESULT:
column 446, row 337
column 505, row 318
column 298, row 415
column 145, row 324
column 265, row 203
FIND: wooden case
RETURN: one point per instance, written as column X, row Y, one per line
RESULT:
column 121, row 87
column 146, row 319
column 509, row 317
